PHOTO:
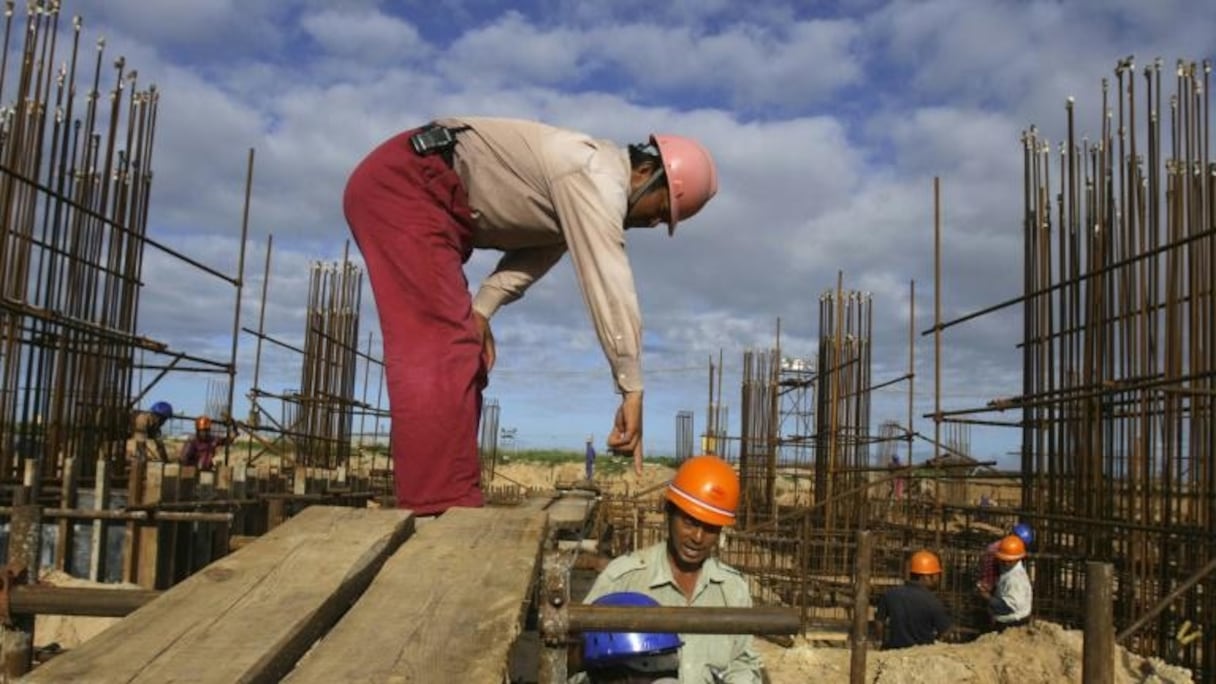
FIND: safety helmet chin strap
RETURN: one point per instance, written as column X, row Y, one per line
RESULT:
column 645, row 188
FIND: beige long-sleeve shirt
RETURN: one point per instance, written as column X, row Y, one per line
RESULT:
column 537, row 191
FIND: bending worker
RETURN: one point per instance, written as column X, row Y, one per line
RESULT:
column 682, row 571
column 912, row 614
column 422, row 201
column 147, row 425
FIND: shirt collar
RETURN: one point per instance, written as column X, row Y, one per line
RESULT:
column 660, row 569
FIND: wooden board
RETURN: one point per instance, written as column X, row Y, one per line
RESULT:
column 445, row 608
column 247, row 617
column 571, row 510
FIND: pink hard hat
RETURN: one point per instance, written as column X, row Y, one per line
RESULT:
column 692, row 178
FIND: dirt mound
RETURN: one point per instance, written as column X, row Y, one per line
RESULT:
column 1042, row 652
column 69, row 631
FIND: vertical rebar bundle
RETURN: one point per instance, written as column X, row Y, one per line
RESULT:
column 74, row 186
column 757, row 436
column 843, row 411
column 327, row 379
column 684, row 436
column 1119, row 452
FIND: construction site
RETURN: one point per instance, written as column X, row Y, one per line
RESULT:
column 293, row 561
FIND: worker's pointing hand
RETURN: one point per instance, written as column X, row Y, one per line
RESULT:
column 626, row 435
column 488, row 351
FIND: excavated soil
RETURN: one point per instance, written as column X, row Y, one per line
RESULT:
column 1042, row 652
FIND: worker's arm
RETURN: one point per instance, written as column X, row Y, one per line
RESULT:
column 489, row 352
column 590, row 204
column 745, row 667
column 942, row 623
column 591, row 208
column 514, row 274
column 160, row 448
column 880, row 620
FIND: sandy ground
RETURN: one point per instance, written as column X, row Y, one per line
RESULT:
column 66, row 630
column 1042, row 652
column 617, row 480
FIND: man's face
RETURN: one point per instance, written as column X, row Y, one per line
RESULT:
column 690, row 541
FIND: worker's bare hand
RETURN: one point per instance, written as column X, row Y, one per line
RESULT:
column 626, row 435
column 488, row 351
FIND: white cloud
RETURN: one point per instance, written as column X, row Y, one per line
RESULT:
column 370, row 36
column 512, row 50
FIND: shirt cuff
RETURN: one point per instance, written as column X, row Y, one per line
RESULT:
column 488, row 300
column 628, row 375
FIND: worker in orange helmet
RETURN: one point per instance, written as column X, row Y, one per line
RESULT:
column 422, row 201
column 200, row 449
column 912, row 614
column 1010, row 602
column 682, row 570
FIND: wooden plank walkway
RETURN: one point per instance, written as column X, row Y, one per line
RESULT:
column 247, row 617
column 570, row 511
column 445, row 608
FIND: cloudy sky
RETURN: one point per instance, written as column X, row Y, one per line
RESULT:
column 829, row 121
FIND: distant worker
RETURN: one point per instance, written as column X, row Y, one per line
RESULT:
column 897, row 483
column 682, row 571
column 912, row 614
column 147, row 425
column 589, row 457
column 200, row 450
column 422, row 201
column 1010, row 602
column 989, row 570
column 986, row 504
column 629, row 657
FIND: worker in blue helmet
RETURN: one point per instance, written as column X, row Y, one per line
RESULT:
column 629, row 657
column 145, row 426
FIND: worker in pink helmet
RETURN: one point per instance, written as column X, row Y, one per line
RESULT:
column 422, row 201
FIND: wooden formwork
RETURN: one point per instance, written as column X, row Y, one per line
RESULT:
column 170, row 520
column 339, row 594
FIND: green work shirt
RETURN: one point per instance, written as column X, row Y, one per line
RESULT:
column 648, row 571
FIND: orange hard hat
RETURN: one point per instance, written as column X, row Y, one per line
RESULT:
column 706, row 488
column 924, row 562
column 1011, row 548
column 692, row 178
column 202, row 423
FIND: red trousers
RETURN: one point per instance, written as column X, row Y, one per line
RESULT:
column 411, row 220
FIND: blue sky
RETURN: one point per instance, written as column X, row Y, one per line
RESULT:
column 829, row 121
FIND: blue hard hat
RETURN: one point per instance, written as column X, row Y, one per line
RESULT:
column 163, row 409
column 1025, row 532
column 612, row 648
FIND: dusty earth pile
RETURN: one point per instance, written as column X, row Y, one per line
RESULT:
column 1042, row 652
column 69, row 631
